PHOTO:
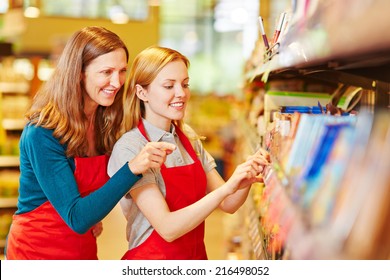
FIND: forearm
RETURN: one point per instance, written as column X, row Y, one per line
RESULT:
column 91, row 209
column 176, row 224
column 234, row 201
column 47, row 174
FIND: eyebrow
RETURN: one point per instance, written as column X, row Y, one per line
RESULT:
column 173, row 80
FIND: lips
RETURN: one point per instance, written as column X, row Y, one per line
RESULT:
column 109, row 92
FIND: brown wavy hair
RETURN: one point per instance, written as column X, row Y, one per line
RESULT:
column 59, row 103
column 145, row 67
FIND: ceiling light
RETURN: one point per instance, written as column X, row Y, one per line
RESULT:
column 117, row 15
column 31, row 12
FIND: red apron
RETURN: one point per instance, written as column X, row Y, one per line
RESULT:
column 42, row 234
column 184, row 186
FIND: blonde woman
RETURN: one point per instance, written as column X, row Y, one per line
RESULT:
column 166, row 209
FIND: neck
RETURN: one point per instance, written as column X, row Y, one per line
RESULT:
column 90, row 108
column 161, row 123
column 91, row 133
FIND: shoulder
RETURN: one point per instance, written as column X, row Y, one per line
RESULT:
column 39, row 137
column 125, row 149
column 130, row 142
column 32, row 130
column 40, row 148
column 131, row 138
column 38, row 134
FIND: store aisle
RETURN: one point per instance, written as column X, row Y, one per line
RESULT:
column 214, row 236
column 112, row 243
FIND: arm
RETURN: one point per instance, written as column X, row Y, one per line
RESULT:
column 231, row 203
column 214, row 180
column 45, row 166
column 172, row 225
column 54, row 176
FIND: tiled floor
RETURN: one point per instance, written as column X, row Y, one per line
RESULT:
column 112, row 243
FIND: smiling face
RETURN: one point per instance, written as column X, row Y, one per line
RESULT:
column 165, row 99
column 103, row 78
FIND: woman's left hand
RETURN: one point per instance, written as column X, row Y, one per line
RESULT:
column 249, row 171
column 97, row 229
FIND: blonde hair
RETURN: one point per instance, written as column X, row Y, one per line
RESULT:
column 59, row 103
column 146, row 66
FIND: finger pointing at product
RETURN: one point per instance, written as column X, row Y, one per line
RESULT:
column 163, row 146
column 153, row 155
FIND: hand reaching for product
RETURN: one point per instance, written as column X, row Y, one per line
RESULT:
column 266, row 160
column 267, row 157
column 153, row 155
column 250, row 171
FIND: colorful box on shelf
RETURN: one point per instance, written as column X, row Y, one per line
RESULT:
column 274, row 100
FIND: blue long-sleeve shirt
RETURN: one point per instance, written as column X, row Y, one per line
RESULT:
column 46, row 173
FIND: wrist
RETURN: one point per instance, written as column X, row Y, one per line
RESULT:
column 132, row 169
column 227, row 189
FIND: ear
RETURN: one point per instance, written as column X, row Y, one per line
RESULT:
column 141, row 93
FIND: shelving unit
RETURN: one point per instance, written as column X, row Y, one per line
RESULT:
column 340, row 45
column 9, row 161
column 8, row 202
column 14, row 100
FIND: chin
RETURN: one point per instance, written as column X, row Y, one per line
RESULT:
column 177, row 118
column 107, row 102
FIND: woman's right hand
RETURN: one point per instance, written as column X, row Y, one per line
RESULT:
column 153, row 155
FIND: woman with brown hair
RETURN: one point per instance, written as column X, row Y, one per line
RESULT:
column 72, row 126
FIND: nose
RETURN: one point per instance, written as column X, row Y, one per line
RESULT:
column 180, row 91
column 116, row 80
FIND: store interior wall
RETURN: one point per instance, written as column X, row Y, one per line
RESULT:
column 41, row 34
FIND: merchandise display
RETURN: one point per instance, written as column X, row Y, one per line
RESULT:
column 329, row 146
column 315, row 94
column 14, row 101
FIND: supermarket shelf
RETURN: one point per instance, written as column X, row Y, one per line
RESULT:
column 15, row 87
column 288, row 226
column 340, row 37
column 333, row 47
column 256, row 236
column 330, row 44
column 9, row 161
column 13, row 124
column 8, row 202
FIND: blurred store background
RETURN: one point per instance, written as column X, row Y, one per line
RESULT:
column 217, row 36
column 331, row 59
